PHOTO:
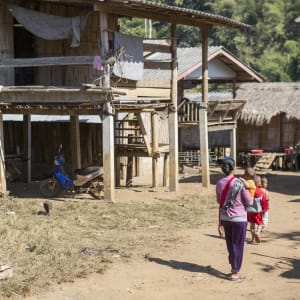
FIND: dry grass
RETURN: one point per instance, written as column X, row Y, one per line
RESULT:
column 44, row 250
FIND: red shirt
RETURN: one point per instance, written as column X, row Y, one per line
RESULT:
column 263, row 202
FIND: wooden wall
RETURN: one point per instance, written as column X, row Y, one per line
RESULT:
column 46, row 137
column 6, row 44
column 279, row 134
column 68, row 75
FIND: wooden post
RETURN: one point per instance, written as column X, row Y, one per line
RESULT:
column 166, row 170
column 173, row 117
column 108, row 121
column 203, row 112
column 233, row 143
column 3, row 188
column 7, row 77
column 27, row 145
column 129, row 171
column 155, row 154
column 75, row 142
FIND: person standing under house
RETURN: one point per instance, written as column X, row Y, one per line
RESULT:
column 233, row 197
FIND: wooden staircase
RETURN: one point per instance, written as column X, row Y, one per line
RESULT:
column 131, row 138
column 265, row 161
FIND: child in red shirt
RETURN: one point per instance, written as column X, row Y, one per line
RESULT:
column 254, row 215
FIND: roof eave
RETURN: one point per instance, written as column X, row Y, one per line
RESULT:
column 167, row 13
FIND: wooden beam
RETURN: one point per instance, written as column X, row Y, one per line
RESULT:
column 143, row 92
column 46, row 61
column 148, row 47
column 151, row 83
column 53, row 95
column 173, row 117
column 50, row 61
column 155, row 64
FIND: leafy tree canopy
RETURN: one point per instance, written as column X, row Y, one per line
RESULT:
column 271, row 46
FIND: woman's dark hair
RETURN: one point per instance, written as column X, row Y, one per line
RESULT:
column 227, row 165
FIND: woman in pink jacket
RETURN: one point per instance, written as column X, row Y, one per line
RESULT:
column 233, row 198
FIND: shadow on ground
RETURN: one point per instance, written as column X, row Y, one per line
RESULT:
column 291, row 266
column 190, row 267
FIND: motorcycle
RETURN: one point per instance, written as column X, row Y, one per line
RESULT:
column 87, row 180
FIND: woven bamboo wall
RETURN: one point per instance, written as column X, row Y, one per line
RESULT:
column 279, row 134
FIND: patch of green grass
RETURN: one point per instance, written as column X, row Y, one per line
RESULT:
column 48, row 249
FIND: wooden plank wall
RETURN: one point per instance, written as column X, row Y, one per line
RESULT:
column 73, row 75
column 46, row 137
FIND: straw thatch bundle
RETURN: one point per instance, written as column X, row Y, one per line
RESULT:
column 266, row 100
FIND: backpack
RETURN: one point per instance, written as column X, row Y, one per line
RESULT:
column 256, row 205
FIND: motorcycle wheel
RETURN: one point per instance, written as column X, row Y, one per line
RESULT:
column 96, row 189
column 50, row 188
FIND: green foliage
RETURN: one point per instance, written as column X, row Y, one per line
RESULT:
column 271, row 46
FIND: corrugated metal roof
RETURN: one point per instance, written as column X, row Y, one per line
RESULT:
column 164, row 12
column 186, row 57
column 212, row 96
column 190, row 59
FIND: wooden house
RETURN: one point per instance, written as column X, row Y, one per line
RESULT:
column 223, row 109
column 66, row 58
column 270, row 120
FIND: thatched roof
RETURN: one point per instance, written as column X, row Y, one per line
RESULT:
column 266, row 100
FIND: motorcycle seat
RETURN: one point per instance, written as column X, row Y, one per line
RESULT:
column 87, row 171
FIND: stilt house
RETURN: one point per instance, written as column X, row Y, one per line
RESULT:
column 67, row 58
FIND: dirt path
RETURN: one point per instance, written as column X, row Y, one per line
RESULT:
column 196, row 268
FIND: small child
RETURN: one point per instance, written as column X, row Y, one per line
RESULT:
column 265, row 207
column 248, row 180
column 254, row 214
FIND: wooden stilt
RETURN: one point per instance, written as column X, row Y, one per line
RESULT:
column 129, row 171
column 7, row 77
column 108, row 120
column 3, row 189
column 173, row 118
column 27, row 145
column 166, row 170
column 75, row 143
column 203, row 112
column 155, row 154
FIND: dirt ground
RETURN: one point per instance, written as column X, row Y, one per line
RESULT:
column 196, row 266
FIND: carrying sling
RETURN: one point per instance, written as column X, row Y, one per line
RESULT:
column 223, row 196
